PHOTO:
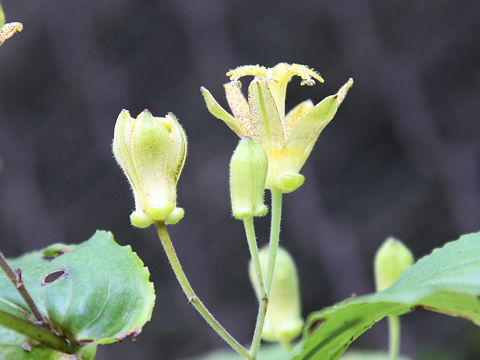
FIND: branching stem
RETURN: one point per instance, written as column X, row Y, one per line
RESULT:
column 16, row 279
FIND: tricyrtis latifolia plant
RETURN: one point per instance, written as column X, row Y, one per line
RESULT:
column 272, row 150
column 63, row 301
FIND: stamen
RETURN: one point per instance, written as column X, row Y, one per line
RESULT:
column 306, row 74
column 248, row 70
column 8, row 30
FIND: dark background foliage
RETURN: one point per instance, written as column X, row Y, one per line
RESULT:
column 400, row 158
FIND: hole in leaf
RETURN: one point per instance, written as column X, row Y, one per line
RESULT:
column 52, row 252
column 53, row 277
column 315, row 325
column 84, row 342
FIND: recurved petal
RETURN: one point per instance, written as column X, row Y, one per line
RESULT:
column 264, row 114
column 237, row 102
column 308, row 128
column 219, row 112
column 296, row 114
column 283, row 72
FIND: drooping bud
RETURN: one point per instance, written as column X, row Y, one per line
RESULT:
column 151, row 151
column 391, row 260
column 283, row 320
column 248, row 172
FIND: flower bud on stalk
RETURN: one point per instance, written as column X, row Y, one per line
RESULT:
column 283, row 321
column 248, row 172
column 391, row 260
column 151, row 151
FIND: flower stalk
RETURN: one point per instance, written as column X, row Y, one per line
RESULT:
column 190, row 293
column 263, row 298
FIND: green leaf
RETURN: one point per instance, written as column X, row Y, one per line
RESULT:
column 446, row 281
column 93, row 293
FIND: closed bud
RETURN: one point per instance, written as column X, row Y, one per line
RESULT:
column 248, row 172
column 151, row 151
column 283, row 320
column 391, row 260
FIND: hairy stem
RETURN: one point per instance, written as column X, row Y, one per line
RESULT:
column 263, row 297
column 16, row 279
column 274, row 235
column 192, row 297
column 36, row 332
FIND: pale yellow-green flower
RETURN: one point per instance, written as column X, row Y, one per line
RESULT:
column 288, row 138
column 151, row 151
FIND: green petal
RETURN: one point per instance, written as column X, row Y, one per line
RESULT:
column 308, row 128
column 178, row 134
column 122, row 152
column 219, row 112
column 264, row 113
column 153, row 155
column 296, row 114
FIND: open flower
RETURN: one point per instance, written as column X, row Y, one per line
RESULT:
column 151, row 151
column 287, row 139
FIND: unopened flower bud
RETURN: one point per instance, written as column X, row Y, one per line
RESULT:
column 151, row 151
column 248, row 172
column 283, row 320
column 391, row 260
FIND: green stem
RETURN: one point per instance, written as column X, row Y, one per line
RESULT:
column 192, row 297
column 262, row 293
column 16, row 279
column 274, row 235
column 286, row 345
column 36, row 332
column 394, row 334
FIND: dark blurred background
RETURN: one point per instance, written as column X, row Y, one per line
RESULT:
column 400, row 158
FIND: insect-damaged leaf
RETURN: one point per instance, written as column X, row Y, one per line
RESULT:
column 93, row 293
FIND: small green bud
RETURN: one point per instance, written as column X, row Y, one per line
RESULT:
column 391, row 260
column 151, row 151
column 283, row 320
column 248, row 172
column 289, row 182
